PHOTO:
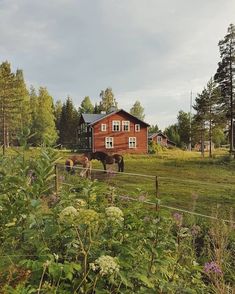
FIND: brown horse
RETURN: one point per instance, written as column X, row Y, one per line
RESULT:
column 71, row 162
column 108, row 159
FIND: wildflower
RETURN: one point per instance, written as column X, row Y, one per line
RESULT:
column 68, row 214
column 88, row 217
column 142, row 198
column 114, row 214
column 178, row 218
column 195, row 230
column 79, row 203
column 106, row 265
column 212, row 267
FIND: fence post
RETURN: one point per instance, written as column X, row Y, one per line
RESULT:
column 56, row 180
column 157, row 194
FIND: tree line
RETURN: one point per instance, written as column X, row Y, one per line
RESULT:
column 214, row 106
column 33, row 113
column 54, row 123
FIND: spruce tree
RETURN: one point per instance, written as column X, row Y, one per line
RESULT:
column 225, row 77
column 68, row 124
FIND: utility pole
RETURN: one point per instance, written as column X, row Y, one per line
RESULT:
column 190, row 123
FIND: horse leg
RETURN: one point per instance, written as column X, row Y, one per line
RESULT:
column 104, row 165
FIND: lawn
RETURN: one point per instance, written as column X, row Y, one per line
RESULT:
column 185, row 180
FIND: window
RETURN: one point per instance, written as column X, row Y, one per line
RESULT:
column 126, row 125
column 137, row 127
column 159, row 139
column 103, row 127
column 132, row 142
column 109, row 142
column 116, row 125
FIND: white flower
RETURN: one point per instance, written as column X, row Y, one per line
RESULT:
column 106, row 265
column 88, row 217
column 114, row 214
column 68, row 214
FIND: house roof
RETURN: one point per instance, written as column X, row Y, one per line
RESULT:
column 157, row 134
column 89, row 118
column 94, row 118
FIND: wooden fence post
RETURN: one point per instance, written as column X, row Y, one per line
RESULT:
column 157, row 194
column 56, row 180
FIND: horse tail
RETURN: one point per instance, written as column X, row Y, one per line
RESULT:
column 122, row 165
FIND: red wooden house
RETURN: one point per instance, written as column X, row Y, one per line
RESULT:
column 118, row 131
column 161, row 139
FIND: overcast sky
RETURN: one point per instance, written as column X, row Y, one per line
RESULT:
column 154, row 51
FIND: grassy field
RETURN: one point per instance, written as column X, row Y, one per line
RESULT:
column 185, row 180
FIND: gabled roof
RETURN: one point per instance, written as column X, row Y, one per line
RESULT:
column 157, row 134
column 94, row 118
column 89, row 118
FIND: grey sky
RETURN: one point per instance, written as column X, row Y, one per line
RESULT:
column 154, row 51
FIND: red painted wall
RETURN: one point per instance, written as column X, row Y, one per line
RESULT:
column 121, row 138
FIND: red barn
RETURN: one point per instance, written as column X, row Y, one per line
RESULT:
column 118, row 131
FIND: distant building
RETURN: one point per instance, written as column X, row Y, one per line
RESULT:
column 118, row 131
column 161, row 139
column 198, row 146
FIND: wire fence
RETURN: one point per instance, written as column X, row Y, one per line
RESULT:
column 175, row 194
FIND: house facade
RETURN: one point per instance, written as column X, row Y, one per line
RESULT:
column 115, row 132
column 161, row 139
column 206, row 146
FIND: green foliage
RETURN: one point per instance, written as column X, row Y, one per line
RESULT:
column 86, row 106
column 137, row 110
column 108, row 102
column 91, row 241
column 44, row 120
column 155, row 148
column 225, row 77
column 68, row 124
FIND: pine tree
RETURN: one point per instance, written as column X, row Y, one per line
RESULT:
column 225, row 77
column 10, row 101
column 206, row 112
column 137, row 110
column 86, row 106
column 108, row 102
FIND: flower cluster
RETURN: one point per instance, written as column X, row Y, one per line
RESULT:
column 106, row 265
column 88, row 217
column 178, row 218
column 68, row 214
column 79, row 203
column 212, row 267
column 114, row 214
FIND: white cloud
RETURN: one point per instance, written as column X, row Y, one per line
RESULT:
column 156, row 51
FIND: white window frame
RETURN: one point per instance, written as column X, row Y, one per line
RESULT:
column 116, row 126
column 126, row 126
column 132, row 142
column 109, row 142
column 159, row 139
column 137, row 127
column 103, row 127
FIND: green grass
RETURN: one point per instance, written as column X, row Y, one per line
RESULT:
column 185, row 179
